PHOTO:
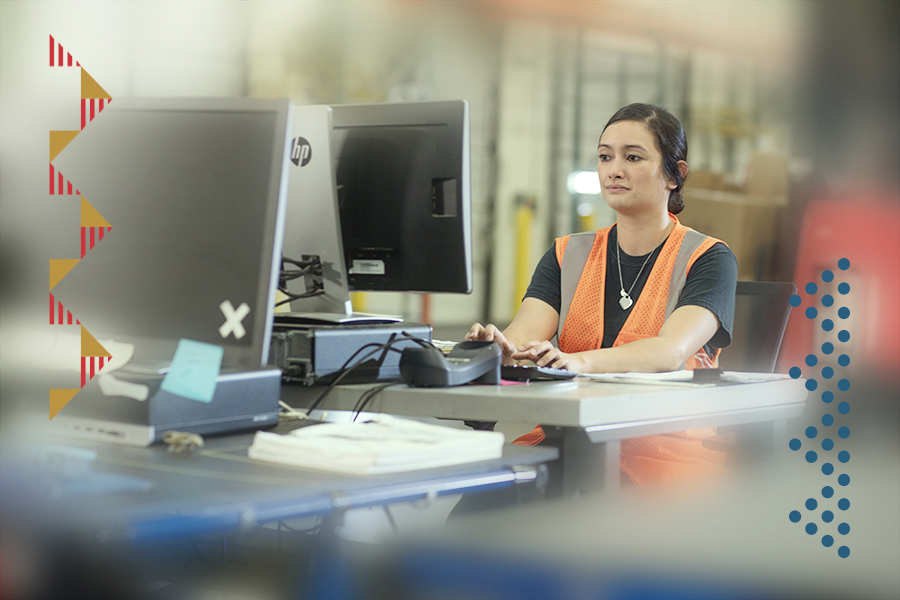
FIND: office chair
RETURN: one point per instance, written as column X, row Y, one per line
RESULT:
column 761, row 311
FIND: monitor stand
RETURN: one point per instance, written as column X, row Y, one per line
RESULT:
column 325, row 318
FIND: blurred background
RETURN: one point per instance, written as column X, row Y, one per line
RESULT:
column 783, row 102
column 790, row 108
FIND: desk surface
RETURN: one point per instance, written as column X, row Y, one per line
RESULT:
column 578, row 403
column 218, row 488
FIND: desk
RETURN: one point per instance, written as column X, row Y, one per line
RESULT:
column 586, row 419
column 147, row 497
column 218, row 488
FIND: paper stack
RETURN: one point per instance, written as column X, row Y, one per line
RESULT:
column 384, row 445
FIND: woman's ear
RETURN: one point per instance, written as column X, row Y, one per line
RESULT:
column 682, row 170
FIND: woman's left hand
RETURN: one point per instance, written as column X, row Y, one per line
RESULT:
column 545, row 354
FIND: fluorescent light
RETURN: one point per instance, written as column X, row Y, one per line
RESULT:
column 584, row 182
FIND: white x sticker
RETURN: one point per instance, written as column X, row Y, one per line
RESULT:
column 233, row 319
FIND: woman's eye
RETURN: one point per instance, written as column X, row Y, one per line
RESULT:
column 604, row 158
column 633, row 157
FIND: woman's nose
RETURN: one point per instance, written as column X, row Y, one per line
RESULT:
column 614, row 169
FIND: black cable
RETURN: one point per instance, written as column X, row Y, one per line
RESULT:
column 390, row 517
column 315, row 528
column 367, row 396
column 291, row 297
column 344, row 370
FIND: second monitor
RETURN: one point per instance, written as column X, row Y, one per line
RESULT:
column 403, row 188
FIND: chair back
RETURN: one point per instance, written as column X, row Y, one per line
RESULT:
column 761, row 311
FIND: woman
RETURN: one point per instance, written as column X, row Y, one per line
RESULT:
column 646, row 294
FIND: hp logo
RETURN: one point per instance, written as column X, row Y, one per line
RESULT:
column 301, row 151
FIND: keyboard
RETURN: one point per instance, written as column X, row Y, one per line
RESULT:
column 533, row 373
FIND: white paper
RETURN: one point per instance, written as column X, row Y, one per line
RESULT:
column 385, row 445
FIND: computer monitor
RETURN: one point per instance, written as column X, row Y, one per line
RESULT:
column 312, row 240
column 195, row 191
column 403, row 188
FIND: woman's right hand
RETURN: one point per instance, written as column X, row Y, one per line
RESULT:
column 490, row 333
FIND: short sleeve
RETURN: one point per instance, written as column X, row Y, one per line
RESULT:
column 545, row 283
column 711, row 283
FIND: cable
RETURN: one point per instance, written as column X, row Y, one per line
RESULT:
column 311, row 266
column 314, row 529
column 390, row 517
column 367, row 396
column 344, row 370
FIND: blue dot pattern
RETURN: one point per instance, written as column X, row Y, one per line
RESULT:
column 829, row 376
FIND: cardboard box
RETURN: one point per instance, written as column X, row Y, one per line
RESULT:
column 750, row 225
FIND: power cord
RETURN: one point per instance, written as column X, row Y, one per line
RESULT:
column 345, row 370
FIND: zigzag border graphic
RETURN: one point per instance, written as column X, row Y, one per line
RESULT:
column 93, row 227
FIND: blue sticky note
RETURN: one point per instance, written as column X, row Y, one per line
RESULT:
column 194, row 370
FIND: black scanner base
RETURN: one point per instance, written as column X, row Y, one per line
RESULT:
column 468, row 362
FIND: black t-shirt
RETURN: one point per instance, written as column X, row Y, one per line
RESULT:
column 710, row 283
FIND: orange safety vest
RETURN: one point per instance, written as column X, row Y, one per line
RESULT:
column 582, row 260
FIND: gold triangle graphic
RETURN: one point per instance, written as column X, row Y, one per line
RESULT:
column 59, row 268
column 59, row 398
column 90, row 346
column 90, row 88
column 90, row 217
column 59, row 140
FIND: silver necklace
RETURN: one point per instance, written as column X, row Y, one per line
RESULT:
column 625, row 301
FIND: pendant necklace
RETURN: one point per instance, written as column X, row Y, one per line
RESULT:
column 625, row 301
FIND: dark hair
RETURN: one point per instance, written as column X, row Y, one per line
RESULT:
column 670, row 141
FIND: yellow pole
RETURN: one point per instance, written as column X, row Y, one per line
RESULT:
column 360, row 301
column 525, row 206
